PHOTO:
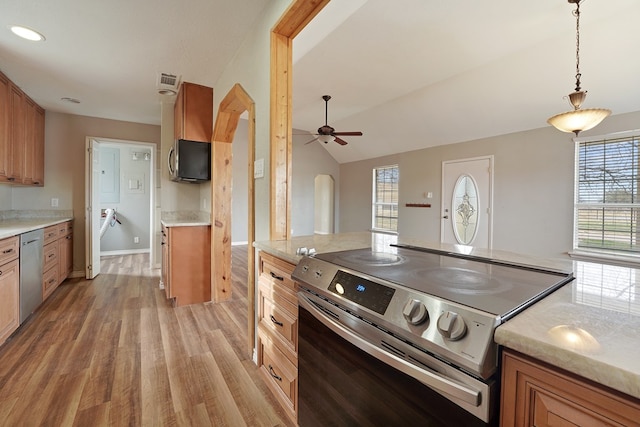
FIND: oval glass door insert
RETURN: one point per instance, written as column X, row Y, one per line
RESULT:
column 464, row 207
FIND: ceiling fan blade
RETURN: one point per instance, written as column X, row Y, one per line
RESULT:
column 347, row 133
column 341, row 141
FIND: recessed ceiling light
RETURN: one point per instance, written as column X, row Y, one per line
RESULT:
column 71, row 100
column 27, row 33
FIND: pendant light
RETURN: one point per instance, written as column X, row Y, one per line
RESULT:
column 578, row 120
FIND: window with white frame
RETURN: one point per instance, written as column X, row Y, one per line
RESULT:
column 385, row 199
column 607, row 203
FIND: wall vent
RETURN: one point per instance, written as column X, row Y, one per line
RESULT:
column 168, row 84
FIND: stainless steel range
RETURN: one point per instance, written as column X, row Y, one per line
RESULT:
column 428, row 314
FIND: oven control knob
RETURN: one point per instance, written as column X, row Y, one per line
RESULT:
column 415, row 312
column 451, row 325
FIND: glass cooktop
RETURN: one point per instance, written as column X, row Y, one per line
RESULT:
column 494, row 287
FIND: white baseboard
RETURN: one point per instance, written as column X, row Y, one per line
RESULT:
column 125, row 252
column 239, row 243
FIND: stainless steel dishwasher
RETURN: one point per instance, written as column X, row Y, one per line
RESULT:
column 31, row 248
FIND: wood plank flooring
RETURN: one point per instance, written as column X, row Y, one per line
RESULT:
column 112, row 351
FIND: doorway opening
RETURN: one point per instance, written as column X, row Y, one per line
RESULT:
column 120, row 198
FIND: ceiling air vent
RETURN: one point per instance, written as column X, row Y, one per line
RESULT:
column 168, row 84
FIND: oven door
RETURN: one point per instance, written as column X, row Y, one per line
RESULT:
column 359, row 378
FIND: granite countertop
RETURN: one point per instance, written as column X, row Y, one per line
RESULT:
column 589, row 327
column 14, row 227
column 185, row 218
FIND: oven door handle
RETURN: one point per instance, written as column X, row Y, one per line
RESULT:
column 430, row 379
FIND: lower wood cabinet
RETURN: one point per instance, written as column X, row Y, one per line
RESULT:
column 186, row 264
column 278, row 330
column 536, row 394
column 9, row 287
column 57, row 256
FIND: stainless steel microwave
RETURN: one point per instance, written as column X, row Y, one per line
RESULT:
column 190, row 161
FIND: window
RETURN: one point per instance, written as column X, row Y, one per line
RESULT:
column 385, row 199
column 607, row 209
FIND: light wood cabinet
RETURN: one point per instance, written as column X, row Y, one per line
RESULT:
column 21, row 136
column 65, row 250
column 536, row 394
column 9, row 287
column 193, row 113
column 5, row 135
column 278, row 330
column 57, row 256
column 186, row 264
column 16, row 126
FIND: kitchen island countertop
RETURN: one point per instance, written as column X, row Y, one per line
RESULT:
column 589, row 327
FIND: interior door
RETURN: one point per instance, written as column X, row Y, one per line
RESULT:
column 467, row 202
column 92, row 209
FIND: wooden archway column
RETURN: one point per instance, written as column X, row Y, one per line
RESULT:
column 294, row 19
column 231, row 107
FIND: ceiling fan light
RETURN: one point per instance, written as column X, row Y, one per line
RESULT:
column 326, row 138
column 578, row 120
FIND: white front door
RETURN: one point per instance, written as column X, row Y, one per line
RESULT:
column 92, row 209
column 467, row 201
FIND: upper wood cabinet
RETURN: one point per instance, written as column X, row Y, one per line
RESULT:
column 193, row 113
column 5, row 137
column 21, row 136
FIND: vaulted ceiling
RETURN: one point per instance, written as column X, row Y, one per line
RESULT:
column 409, row 74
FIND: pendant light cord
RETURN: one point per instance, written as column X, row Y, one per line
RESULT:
column 576, row 13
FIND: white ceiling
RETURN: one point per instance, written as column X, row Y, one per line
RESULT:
column 409, row 74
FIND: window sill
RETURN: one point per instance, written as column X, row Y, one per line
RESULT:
column 606, row 257
column 375, row 230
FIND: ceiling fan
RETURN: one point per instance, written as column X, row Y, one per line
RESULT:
column 326, row 133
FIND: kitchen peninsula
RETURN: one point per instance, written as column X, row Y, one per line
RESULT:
column 586, row 330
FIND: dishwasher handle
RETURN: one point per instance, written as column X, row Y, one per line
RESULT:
column 30, row 242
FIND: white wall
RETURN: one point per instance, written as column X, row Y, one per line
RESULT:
column 310, row 160
column 533, row 187
column 133, row 207
column 64, row 171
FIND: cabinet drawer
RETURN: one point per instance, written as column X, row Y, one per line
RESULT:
column 9, row 249
column 64, row 229
column 50, row 234
column 280, row 374
column 278, row 272
column 49, row 282
column 51, row 256
column 279, row 319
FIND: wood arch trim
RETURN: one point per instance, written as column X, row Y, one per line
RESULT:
column 236, row 102
column 293, row 20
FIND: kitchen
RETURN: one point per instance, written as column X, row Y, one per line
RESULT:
column 537, row 183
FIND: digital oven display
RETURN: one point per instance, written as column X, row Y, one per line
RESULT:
column 366, row 293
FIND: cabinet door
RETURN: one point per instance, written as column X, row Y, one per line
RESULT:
column 28, row 155
column 9, row 299
column 65, row 251
column 16, row 125
column 193, row 113
column 38, row 153
column 5, row 146
column 536, row 394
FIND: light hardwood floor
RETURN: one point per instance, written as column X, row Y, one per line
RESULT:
column 112, row 351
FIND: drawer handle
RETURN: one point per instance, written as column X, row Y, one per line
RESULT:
column 7, row 251
column 0, row 272
column 275, row 276
column 51, row 256
column 273, row 373
column 52, row 281
column 274, row 320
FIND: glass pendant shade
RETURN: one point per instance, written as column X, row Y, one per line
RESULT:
column 326, row 138
column 578, row 120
